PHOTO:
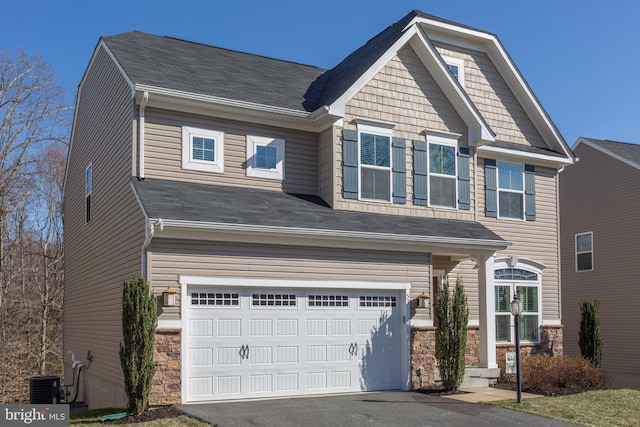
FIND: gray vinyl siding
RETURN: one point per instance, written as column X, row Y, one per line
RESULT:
column 236, row 260
column 100, row 255
column 163, row 152
column 600, row 195
column 535, row 240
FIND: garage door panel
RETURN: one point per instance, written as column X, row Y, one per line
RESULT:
column 261, row 355
column 316, row 353
column 229, row 356
column 262, row 383
column 341, row 353
column 316, row 327
column 327, row 344
column 287, row 327
column 341, row 327
column 229, row 384
column 287, row 354
column 261, row 328
column 229, row 328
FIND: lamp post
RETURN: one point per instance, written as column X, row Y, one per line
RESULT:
column 516, row 309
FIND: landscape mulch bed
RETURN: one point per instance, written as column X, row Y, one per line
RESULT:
column 155, row 413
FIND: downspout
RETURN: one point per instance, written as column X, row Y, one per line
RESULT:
column 150, row 231
column 143, row 104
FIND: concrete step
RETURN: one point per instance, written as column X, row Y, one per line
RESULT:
column 474, row 382
column 474, row 377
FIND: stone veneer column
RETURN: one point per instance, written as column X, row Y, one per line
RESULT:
column 166, row 387
column 423, row 355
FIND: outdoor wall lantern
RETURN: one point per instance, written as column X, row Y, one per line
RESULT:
column 516, row 310
column 169, row 297
column 423, row 300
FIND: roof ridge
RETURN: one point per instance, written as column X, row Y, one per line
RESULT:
column 178, row 39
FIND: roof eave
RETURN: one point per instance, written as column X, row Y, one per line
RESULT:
column 414, row 36
column 490, row 43
column 323, row 237
column 199, row 103
column 535, row 158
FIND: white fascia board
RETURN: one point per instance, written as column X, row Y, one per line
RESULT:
column 415, row 36
column 534, row 158
column 326, row 238
column 288, row 283
column 595, row 146
column 190, row 102
column 491, row 45
column 339, row 105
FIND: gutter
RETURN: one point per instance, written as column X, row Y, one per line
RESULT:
column 143, row 104
column 349, row 236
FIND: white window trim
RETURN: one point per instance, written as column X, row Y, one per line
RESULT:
column 253, row 142
column 521, row 192
column 524, row 265
column 452, row 142
column 382, row 131
column 575, row 242
column 88, row 192
column 188, row 162
column 458, row 63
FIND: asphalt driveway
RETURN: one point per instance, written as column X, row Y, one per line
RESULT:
column 376, row 409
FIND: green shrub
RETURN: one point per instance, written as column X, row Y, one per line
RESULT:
column 139, row 320
column 452, row 316
column 589, row 338
column 544, row 374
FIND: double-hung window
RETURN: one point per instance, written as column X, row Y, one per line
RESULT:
column 375, row 163
column 584, row 251
column 265, row 157
column 510, row 190
column 508, row 282
column 202, row 149
column 442, row 171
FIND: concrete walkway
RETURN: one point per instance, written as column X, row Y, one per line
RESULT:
column 488, row 394
column 373, row 409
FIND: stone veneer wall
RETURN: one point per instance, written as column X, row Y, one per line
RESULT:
column 423, row 350
column 166, row 386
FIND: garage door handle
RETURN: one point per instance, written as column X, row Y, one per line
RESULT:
column 244, row 352
column 353, row 349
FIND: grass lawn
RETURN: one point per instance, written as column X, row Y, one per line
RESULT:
column 94, row 418
column 592, row 408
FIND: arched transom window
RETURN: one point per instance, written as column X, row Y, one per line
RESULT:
column 524, row 281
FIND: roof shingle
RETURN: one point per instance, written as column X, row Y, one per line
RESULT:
column 175, row 200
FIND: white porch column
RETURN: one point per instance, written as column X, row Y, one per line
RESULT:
column 487, row 312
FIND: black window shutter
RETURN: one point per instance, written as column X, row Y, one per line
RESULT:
column 399, row 147
column 491, row 188
column 464, row 184
column 530, row 192
column 420, row 177
column 349, row 164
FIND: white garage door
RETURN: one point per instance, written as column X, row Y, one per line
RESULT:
column 244, row 343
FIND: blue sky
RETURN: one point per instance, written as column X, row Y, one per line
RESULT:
column 580, row 57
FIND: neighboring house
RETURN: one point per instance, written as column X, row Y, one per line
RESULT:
column 305, row 215
column 600, row 241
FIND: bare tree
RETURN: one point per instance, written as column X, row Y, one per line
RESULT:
column 34, row 130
